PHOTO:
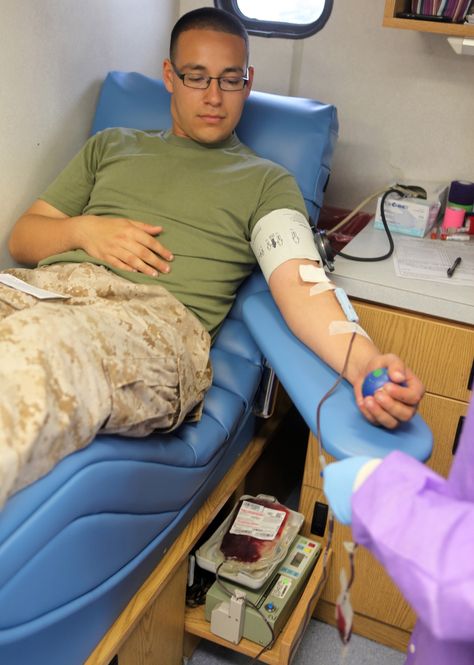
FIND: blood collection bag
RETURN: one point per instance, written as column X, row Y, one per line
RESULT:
column 251, row 541
column 255, row 531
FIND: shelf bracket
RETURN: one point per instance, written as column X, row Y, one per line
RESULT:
column 462, row 45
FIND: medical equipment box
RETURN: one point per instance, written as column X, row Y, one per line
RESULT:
column 413, row 216
column 271, row 605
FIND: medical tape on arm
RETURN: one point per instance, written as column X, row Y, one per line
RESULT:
column 321, row 288
column 286, row 234
column 316, row 276
column 309, row 273
column 282, row 235
column 352, row 323
column 346, row 327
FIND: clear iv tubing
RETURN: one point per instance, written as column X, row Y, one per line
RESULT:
column 322, row 459
column 398, row 188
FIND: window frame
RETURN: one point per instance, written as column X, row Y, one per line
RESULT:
column 276, row 28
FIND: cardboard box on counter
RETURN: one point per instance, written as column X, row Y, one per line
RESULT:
column 413, row 216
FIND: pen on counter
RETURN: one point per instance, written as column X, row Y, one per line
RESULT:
column 450, row 271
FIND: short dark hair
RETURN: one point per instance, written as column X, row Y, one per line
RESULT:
column 208, row 18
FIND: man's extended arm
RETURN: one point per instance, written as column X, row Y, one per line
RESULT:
column 43, row 230
column 309, row 318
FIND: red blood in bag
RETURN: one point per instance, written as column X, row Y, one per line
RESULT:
column 249, row 549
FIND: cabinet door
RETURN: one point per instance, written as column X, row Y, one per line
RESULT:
column 444, row 417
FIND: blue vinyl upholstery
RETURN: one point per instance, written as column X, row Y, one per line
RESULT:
column 77, row 544
column 344, row 431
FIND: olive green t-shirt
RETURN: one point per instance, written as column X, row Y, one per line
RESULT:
column 207, row 198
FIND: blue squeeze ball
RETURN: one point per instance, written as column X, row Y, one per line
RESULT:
column 374, row 381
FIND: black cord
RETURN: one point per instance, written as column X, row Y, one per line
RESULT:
column 387, row 230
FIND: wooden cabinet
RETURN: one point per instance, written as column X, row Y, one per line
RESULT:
column 441, row 353
column 393, row 7
column 160, row 629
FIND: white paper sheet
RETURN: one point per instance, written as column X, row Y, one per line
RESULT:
column 419, row 258
column 19, row 285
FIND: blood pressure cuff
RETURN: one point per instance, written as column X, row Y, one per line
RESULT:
column 282, row 235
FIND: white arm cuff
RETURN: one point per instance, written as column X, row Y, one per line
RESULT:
column 282, row 235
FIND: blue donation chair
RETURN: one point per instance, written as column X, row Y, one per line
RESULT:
column 77, row 544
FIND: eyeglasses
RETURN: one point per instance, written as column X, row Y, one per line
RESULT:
column 199, row 82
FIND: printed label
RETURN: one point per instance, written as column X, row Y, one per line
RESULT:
column 282, row 586
column 257, row 521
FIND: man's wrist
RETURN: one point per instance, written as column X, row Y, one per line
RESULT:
column 77, row 232
column 365, row 352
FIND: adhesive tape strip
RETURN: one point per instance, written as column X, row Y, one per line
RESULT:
column 461, row 193
column 321, row 288
column 344, row 327
column 313, row 274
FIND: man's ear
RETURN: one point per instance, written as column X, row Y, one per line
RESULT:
column 251, row 73
column 168, row 75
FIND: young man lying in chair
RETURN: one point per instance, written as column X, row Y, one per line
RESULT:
column 147, row 236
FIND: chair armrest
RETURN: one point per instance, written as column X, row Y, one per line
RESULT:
column 306, row 379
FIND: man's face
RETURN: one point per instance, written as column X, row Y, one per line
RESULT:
column 210, row 115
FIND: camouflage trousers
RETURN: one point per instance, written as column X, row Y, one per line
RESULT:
column 114, row 356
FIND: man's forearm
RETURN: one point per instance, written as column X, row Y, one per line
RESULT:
column 310, row 317
column 312, row 328
column 36, row 237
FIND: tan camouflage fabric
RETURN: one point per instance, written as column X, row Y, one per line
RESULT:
column 115, row 357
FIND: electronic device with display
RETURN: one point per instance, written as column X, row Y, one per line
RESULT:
column 272, row 604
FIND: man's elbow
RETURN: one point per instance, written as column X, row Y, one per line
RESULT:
column 16, row 247
column 12, row 246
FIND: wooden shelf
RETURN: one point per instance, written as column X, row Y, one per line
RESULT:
column 393, row 7
column 282, row 651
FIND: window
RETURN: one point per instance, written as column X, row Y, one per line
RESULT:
column 293, row 19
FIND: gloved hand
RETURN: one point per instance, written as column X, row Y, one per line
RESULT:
column 339, row 479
